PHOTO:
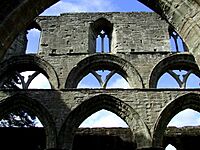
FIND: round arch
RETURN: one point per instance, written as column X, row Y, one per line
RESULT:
column 26, row 63
column 175, row 62
column 18, row 101
column 190, row 100
column 105, row 62
column 84, row 110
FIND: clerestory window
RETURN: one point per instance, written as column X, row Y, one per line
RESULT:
column 102, row 43
column 100, row 36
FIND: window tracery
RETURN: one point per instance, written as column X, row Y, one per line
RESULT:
column 23, row 80
column 103, row 43
column 103, row 77
column 182, row 78
column 100, row 36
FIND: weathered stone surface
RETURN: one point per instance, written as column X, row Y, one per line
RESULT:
column 144, row 32
column 139, row 51
column 64, row 110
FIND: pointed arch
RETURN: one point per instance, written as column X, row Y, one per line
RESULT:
column 26, row 63
column 102, row 24
column 105, row 62
column 19, row 101
column 110, row 103
column 184, row 61
column 100, row 36
column 190, row 100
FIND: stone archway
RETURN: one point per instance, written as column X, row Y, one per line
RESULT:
column 104, row 61
column 176, row 61
column 18, row 101
column 90, row 106
column 190, row 100
column 27, row 62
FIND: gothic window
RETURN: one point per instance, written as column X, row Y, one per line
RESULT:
column 26, row 80
column 103, row 79
column 100, row 36
column 176, row 42
column 179, row 79
column 103, row 43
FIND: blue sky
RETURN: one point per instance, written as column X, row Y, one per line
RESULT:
column 95, row 6
column 188, row 117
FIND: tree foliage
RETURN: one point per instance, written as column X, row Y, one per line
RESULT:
column 18, row 118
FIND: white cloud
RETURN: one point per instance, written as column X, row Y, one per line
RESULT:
column 80, row 6
column 103, row 118
column 33, row 37
column 39, row 82
column 170, row 147
column 120, row 82
column 116, row 81
column 187, row 117
column 88, row 85
column 34, row 33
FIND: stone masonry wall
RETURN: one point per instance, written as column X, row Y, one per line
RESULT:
column 147, row 103
column 140, row 42
column 132, row 32
column 18, row 47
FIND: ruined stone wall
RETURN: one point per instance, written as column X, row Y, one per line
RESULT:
column 131, row 32
column 18, row 47
column 147, row 112
column 139, row 53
